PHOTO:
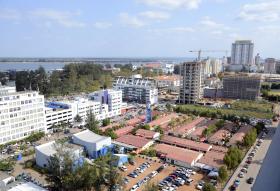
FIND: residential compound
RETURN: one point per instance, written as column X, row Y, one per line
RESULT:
column 103, row 104
column 138, row 89
column 241, row 55
column 21, row 113
column 192, row 80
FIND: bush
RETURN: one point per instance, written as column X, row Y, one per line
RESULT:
column 223, row 175
column 34, row 137
column 149, row 152
column 208, row 187
column 7, row 165
column 106, row 122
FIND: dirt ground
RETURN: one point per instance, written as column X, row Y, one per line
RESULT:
column 163, row 174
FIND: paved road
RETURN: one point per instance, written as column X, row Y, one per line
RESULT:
column 254, row 166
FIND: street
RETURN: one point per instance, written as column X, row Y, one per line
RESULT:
column 254, row 167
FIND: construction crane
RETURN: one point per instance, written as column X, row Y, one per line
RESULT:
column 200, row 51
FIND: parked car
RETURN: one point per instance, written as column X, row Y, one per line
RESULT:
column 200, row 185
column 189, row 181
column 135, row 187
column 250, row 180
column 241, row 175
column 123, row 168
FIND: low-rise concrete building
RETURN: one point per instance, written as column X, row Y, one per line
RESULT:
column 178, row 156
column 95, row 145
column 135, row 142
column 44, row 152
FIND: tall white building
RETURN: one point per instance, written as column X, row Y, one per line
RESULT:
column 270, row 66
column 192, row 76
column 213, row 66
column 21, row 113
column 103, row 104
column 135, row 88
column 241, row 55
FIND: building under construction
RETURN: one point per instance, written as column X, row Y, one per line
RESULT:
column 241, row 86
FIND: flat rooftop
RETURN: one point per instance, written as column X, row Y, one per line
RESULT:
column 49, row 148
column 89, row 136
column 27, row 186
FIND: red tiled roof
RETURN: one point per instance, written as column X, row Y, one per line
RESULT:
column 152, row 65
column 135, row 121
column 185, row 128
column 238, row 137
column 132, row 140
column 214, row 157
column 186, row 143
column 219, row 135
column 179, row 154
column 145, row 133
column 109, row 126
column 124, row 130
column 163, row 120
column 198, row 131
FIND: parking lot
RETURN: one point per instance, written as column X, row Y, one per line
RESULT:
column 155, row 164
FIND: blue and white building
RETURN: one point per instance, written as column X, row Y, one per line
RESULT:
column 95, row 145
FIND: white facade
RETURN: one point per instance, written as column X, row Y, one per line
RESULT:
column 111, row 98
column 141, row 90
column 213, row 66
column 103, row 104
column 242, row 54
column 167, row 68
column 21, row 113
column 57, row 113
column 45, row 151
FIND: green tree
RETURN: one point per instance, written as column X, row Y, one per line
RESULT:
column 78, row 118
column 159, row 129
column 92, row 124
column 208, row 187
column 106, row 122
column 250, row 138
column 223, row 174
column 110, row 133
column 233, row 158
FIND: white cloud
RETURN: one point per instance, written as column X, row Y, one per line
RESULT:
column 102, row 25
column 163, row 31
column 63, row 18
column 261, row 11
column 172, row 4
column 269, row 30
column 209, row 23
column 9, row 14
column 132, row 21
column 156, row 15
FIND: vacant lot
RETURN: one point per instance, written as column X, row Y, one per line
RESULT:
column 239, row 108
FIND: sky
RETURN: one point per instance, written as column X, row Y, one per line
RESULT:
column 136, row 28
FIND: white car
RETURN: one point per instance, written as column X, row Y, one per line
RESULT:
column 123, row 168
column 200, row 185
column 135, row 187
column 241, row 175
column 154, row 173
